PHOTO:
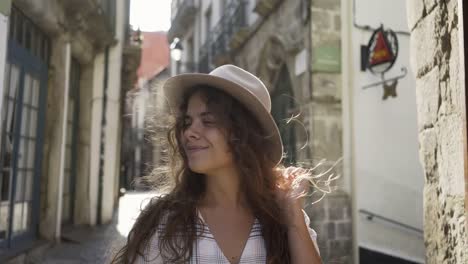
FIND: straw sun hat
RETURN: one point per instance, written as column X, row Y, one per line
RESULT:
column 240, row 84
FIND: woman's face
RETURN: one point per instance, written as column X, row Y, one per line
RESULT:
column 203, row 140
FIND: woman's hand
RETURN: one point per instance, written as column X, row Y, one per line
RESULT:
column 291, row 191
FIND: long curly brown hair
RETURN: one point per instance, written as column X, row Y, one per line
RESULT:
column 177, row 209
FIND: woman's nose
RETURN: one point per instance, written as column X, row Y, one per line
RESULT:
column 192, row 131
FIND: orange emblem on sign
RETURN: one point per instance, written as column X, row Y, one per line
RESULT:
column 381, row 52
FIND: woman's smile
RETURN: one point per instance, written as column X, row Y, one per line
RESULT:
column 193, row 149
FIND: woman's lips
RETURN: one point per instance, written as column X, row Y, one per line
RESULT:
column 193, row 150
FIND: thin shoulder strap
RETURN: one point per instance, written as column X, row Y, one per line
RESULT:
column 200, row 215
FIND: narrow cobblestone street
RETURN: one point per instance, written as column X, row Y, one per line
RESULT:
column 98, row 244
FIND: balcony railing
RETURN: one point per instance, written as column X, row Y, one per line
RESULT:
column 185, row 13
column 220, row 41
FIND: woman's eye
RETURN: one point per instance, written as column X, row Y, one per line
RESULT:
column 186, row 123
column 209, row 122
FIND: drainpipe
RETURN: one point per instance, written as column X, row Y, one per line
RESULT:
column 347, row 114
column 103, row 125
column 58, row 223
column 463, row 74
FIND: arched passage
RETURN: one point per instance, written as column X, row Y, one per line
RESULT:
column 273, row 71
column 283, row 105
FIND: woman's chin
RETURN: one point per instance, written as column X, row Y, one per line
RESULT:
column 198, row 168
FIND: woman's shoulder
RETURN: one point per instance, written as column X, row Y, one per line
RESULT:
column 166, row 208
column 156, row 210
column 312, row 232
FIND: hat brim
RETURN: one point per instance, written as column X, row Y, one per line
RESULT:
column 175, row 88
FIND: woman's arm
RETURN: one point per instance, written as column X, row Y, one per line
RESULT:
column 301, row 245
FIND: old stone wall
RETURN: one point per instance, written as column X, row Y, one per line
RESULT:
column 325, row 103
column 84, row 141
column 278, row 41
column 327, row 129
column 52, row 138
column 435, row 59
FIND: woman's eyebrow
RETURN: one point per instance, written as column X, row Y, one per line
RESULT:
column 202, row 114
column 206, row 113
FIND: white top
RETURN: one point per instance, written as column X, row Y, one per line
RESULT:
column 207, row 251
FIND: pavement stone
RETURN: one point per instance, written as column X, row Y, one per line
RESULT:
column 84, row 244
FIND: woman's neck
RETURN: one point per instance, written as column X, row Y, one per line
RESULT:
column 223, row 189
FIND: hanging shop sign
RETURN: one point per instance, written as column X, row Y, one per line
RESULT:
column 380, row 56
column 382, row 50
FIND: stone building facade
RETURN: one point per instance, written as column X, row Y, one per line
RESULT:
column 437, row 59
column 326, row 127
column 66, row 64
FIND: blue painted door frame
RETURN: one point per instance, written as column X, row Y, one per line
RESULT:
column 28, row 64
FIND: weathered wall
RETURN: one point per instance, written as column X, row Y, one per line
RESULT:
column 53, row 135
column 84, row 141
column 435, row 59
column 289, row 36
column 325, row 105
column 52, row 138
column 326, row 132
column 83, row 51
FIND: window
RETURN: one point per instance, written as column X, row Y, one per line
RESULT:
column 22, row 123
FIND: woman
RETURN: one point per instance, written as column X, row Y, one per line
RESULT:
column 230, row 201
